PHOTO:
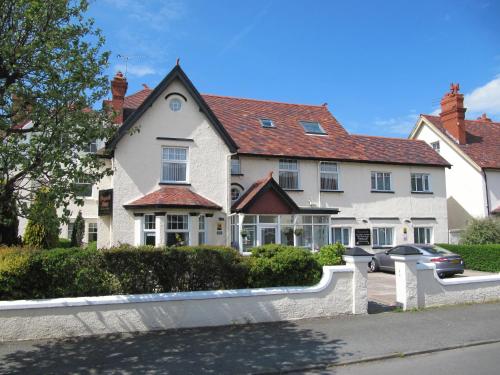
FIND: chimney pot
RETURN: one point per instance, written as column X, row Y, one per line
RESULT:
column 453, row 113
column 119, row 86
column 485, row 118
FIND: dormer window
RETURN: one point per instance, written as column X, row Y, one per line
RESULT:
column 312, row 127
column 267, row 123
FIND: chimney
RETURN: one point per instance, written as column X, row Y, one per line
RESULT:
column 484, row 118
column 118, row 90
column 453, row 113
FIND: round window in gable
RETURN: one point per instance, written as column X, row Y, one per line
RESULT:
column 235, row 193
column 175, row 105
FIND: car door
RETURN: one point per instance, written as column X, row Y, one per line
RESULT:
column 385, row 260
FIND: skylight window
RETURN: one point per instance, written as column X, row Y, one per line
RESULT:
column 312, row 127
column 267, row 123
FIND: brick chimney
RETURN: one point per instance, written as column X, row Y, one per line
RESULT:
column 118, row 90
column 484, row 118
column 453, row 113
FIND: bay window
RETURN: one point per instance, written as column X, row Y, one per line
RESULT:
column 149, row 230
column 201, row 230
column 177, row 230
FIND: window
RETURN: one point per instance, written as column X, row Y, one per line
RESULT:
column 71, row 225
column 174, row 164
column 235, row 165
column 329, row 176
column 341, row 235
column 381, row 181
column 175, row 105
column 92, row 231
column 422, row 235
column 266, row 123
column 249, row 232
column 235, row 193
column 436, row 146
column 201, row 230
column 83, row 188
column 382, row 236
column 313, row 231
column 420, row 182
column 150, row 230
column 91, row 148
column 177, row 231
column 312, row 127
column 289, row 174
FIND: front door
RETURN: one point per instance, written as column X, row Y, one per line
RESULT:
column 268, row 235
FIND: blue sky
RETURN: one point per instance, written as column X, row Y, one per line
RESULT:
column 377, row 64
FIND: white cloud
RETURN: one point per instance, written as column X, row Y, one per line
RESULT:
column 485, row 98
column 136, row 70
column 400, row 126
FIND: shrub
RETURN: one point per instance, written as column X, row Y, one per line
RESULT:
column 279, row 265
column 330, row 255
column 42, row 230
column 63, row 243
column 78, row 231
column 482, row 231
column 91, row 245
column 478, row 257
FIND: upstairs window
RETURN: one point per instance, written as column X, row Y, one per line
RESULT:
column 312, row 127
column 174, row 164
column 83, row 188
column 235, row 165
column 267, row 123
column 329, row 176
column 436, row 146
column 289, row 174
column 381, row 181
column 235, row 193
column 420, row 183
column 91, row 148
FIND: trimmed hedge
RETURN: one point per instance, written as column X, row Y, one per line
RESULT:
column 478, row 257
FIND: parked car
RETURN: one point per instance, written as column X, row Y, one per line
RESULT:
column 447, row 263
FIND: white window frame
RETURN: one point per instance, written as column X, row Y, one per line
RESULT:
column 89, row 150
column 436, row 146
column 202, row 229
column 82, row 182
column 89, row 232
column 164, row 161
column 425, row 228
column 235, row 166
column 335, row 174
column 268, row 120
column 342, row 228
column 146, row 231
column 71, row 225
column 421, row 175
column 240, row 190
column 377, row 243
column 167, row 230
column 377, row 188
column 281, row 168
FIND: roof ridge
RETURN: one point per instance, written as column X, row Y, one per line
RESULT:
column 383, row 137
column 473, row 120
column 264, row 100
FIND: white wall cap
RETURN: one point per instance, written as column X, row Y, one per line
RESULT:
column 357, row 259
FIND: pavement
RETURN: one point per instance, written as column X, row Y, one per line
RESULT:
column 296, row 346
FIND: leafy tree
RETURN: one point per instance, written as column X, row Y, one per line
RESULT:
column 42, row 231
column 51, row 74
column 481, row 232
column 78, row 230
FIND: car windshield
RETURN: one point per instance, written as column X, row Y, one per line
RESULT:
column 435, row 250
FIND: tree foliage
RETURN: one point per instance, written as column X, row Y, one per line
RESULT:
column 481, row 232
column 42, row 231
column 51, row 75
column 78, row 230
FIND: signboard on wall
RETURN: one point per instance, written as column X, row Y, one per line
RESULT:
column 105, row 202
column 362, row 237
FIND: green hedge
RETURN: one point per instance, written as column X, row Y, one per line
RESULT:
column 478, row 257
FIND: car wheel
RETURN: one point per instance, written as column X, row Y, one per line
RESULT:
column 373, row 265
column 441, row 275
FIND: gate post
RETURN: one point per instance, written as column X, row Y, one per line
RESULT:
column 405, row 259
column 358, row 260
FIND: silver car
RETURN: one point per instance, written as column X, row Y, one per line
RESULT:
column 447, row 263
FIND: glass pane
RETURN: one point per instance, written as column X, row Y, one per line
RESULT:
column 287, row 235
column 415, row 235
column 320, row 236
column 249, row 219
column 268, row 235
column 307, row 219
column 150, row 239
column 345, row 236
column 328, row 167
column 149, row 222
column 374, row 183
column 268, row 219
column 336, row 235
column 174, row 172
column 380, row 181
column 201, row 238
column 321, row 219
column 177, row 222
column 426, row 183
column 413, row 183
column 249, row 236
column 382, row 238
column 387, row 181
column 329, row 181
column 201, row 222
column 375, row 237
column 177, row 238
column 389, row 236
column 307, row 236
column 419, row 183
column 286, row 219
column 289, row 180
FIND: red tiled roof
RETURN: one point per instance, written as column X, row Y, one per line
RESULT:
column 135, row 100
column 173, row 196
column 240, row 117
column 483, row 140
column 250, row 193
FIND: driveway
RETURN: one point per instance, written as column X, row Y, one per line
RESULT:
column 382, row 289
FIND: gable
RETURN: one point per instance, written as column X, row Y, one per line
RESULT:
column 269, row 202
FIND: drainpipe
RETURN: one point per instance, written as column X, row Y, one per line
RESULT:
column 487, row 194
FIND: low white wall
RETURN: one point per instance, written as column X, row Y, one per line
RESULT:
column 66, row 317
column 433, row 291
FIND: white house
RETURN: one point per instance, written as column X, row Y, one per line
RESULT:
column 191, row 168
column 472, row 147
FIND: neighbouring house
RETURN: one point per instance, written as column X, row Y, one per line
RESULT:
column 473, row 149
column 209, row 169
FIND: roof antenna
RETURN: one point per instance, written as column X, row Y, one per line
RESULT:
column 178, row 62
column 125, row 58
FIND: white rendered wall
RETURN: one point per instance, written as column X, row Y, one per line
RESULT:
column 137, row 161
column 66, row 317
column 464, row 183
column 357, row 201
column 493, row 177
